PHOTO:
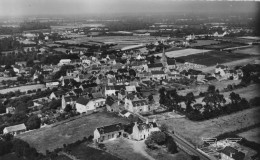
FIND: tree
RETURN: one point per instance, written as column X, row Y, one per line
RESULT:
column 33, row 122
column 235, row 98
column 68, row 108
column 132, row 73
column 171, row 145
column 158, row 137
column 54, row 104
column 149, row 143
column 189, row 99
column 164, row 127
column 150, row 98
column 211, row 89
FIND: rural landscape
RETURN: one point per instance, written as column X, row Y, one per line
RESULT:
column 129, row 80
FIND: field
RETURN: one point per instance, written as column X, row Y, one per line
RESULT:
column 122, row 41
column 251, row 135
column 254, row 50
column 7, row 78
column 213, row 57
column 222, row 46
column 183, row 52
column 68, row 131
column 137, row 150
column 127, row 149
column 204, row 43
column 83, row 152
column 23, row 88
column 195, row 131
column 230, row 64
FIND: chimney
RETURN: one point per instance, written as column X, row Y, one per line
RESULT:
column 147, row 121
column 231, row 154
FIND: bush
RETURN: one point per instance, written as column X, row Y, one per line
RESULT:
column 171, row 145
column 158, row 137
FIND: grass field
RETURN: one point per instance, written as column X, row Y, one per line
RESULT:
column 204, row 43
column 222, row 46
column 251, row 135
column 230, row 64
column 254, row 50
column 8, row 78
column 84, row 152
column 195, row 131
column 124, row 149
column 213, row 57
column 183, row 52
column 69, row 131
column 23, row 88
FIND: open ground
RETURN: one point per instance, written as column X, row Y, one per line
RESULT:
column 23, row 88
column 251, row 135
column 211, row 58
column 69, row 131
column 195, row 131
column 254, row 50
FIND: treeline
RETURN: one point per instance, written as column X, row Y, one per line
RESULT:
column 9, row 144
column 214, row 104
column 34, row 26
column 128, row 25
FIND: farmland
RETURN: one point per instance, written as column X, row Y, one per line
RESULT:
column 200, row 43
column 254, row 50
column 251, row 135
column 83, row 152
column 23, row 88
column 222, row 46
column 122, row 41
column 68, row 131
column 195, row 131
column 213, row 57
column 183, row 52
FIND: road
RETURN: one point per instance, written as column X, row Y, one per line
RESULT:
column 189, row 148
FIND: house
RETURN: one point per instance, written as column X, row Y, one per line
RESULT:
column 125, row 113
column 158, row 75
column 136, row 106
column 64, row 62
column 57, row 94
column 69, row 100
column 130, row 89
column 171, row 63
column 83, row 105
column 221, row 70
column 17, row 68
column 51, row 84
column 104, row 133
column 113, row 106
column 155, row 67
column 14, row 130
column 10, row 110
column 230, row 153
column 143, row 130
column 111, row 90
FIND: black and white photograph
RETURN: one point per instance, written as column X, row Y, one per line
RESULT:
column 129, row 80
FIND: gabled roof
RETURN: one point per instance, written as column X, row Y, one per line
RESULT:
column 18, row 127
column 110, row 128
column 236, row 155
column 78, row 91
column 82, row 100
column 155, row 65
column 70, row 98
column 141, row 102
column 97, row 95
column 144, row 126
column 17, row 66
column 110, row 101
column 157, row 72
column 171, row 62
column 59, row 93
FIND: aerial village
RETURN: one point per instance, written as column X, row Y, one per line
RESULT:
column 66, row 86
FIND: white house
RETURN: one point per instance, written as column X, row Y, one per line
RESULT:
column 230, row 153
column 108, row 132
column 64, row 62
column 136, row 106
column 14, row 130
column 84, row 105
column 143, row 130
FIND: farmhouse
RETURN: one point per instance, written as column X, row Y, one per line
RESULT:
column 14, row 130
column 108, row 132
column 84, row 105
column 143, row 130
column 140, row 105
column 158, row 75
column 230, row 153
column 155, row 67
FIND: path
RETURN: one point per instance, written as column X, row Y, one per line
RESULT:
column 139, row 147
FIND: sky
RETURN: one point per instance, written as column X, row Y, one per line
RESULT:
column 81, row 7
